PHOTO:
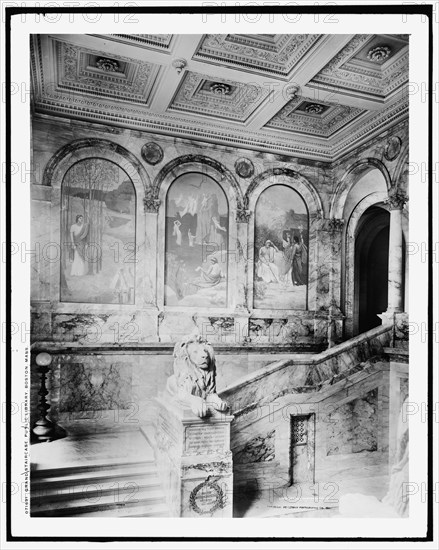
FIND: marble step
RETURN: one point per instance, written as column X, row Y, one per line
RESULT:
column 92, row 490
column 88, row 468
column 75, row 476
column 123, row 500
column 143, row 510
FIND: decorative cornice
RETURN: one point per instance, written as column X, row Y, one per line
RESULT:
column 161, row 41
column 177, row 126
column 265, row 141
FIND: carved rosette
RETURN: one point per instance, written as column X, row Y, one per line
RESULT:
column 108, row 65
column 396, row 199
column 152, row 153
column 244, row 168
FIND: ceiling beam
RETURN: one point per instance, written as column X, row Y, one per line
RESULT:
column 186, row 45
column 360, row 100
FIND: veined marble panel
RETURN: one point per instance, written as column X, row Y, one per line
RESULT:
column 96, row 386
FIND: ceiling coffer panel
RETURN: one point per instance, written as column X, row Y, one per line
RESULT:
column 98, row 74
column 307, row 116
column 370, row 65
column 269, row 54
column 219, row 98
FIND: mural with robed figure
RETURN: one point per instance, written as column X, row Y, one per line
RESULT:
column 280, row 250
column 197, row 231
column 98, row 228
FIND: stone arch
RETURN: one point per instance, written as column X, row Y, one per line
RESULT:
column 348, row 277
column 81, row 149
column 53, row 176
column 376, row 198
column 198, row 163
column 298, row 183
column 287, row 177
column 352, row 175
column 233, row 194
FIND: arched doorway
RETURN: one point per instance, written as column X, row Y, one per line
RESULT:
column 371, row 268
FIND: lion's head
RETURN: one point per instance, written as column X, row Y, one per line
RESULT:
column 193, row 383
column 195, row 351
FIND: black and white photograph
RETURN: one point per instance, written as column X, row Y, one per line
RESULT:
column 219, row 267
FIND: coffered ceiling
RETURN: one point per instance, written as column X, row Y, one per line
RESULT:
column 309, row 95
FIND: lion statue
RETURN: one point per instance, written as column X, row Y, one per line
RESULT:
column 193, row 383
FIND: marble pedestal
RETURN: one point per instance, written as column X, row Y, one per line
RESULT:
column 194, row 461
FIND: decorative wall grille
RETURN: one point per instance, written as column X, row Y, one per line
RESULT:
column 299, row 430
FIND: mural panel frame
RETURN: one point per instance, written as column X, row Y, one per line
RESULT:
column 56, row 168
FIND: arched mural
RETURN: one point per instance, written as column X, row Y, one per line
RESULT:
column 197, row 234
column 98, row 221
column 280, row 250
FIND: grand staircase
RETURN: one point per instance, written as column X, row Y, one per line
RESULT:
column 114, row 473
column 65, row 482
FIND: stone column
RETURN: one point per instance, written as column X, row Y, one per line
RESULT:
column 396, row 201
column 194, row 461
column 335, row 230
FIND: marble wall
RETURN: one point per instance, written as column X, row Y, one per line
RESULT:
column 101, row 329
column 116, row 387
column 344, row 396
column 324, row 187
column 353, row 427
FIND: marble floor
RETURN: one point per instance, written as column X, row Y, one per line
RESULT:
column 345, row 475
column 363, row 473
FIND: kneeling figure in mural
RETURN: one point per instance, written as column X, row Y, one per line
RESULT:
column 193, row 383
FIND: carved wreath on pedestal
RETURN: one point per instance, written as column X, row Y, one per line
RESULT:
column 219, row 502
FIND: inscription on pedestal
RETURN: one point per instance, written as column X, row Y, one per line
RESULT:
column 206, row 439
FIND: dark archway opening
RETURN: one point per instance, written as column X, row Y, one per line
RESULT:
column 371, row 268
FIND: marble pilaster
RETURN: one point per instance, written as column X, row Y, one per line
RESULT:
column 147, row 261
column 328, row 318
column 240, row 255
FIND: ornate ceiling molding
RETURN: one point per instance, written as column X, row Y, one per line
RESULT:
column 75, row 77
column 161, row 41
